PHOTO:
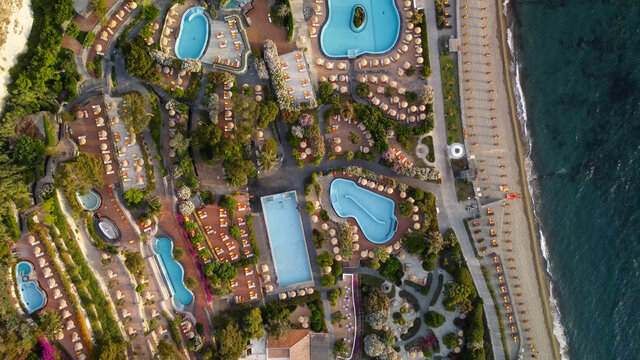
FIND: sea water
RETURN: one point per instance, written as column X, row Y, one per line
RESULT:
column 578, row 67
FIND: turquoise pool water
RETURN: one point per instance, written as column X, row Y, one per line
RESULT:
column 90, row 201
column 286, row 237
column 172, row 272
column 31, row 295
column 194, row 32
column 378, row 34
column 373, row 212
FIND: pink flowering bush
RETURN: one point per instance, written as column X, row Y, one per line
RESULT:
column 388, row 155
column 305, row 120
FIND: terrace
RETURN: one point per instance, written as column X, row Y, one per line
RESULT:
column 107, row 32
column 29, row 248
column 216, row 223
column 297, row 78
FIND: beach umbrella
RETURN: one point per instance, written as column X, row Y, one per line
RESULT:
column 413, row 108
column 303, row 156
column 338, row 148
column 133, row 5
column 406, row 65
column 343, row 89
column 393, row 112
column 78, row 346
column 404, row 104
column 356, row 247
column 365, row 150
column 422, row 107
column 104, row 35
column 138, row 168
column 407, row 3
column 104, row 146
column 364, row 253
column 363, row 62
column 338, row 257
column 395, row 99
column 334, row 241
column 342, row 65
column 412, row 119
column 372, row 185
column 402, row 90
column 258, row 98
column 376, row 62
column 380, row 187
column 112, row 23
column 327, row 269
column 332, row 78
column 418, row 30
column 418, row 41
column 380, row 90
column 408, row 37
column 371, row 255
column 409, row 14
column 329, row 65
column 403, row 116
column 355, row 237
column 389, row 249
column 314, row 218
column 98, row 48
column 325, row 226
column 341, row 78
column 332, row 232
column 125, row 163
column 386, row 61
column 384, row 78
column 362, row 79
column 373, row 79
column 338, row 140
column 419, row 50
column 420, row 60
column 401, row 254
column 269, row 288
column 403, row 194
column 264, row 268
column 415, row 208
column 384, row 107
column 410, row 26
column 396, row 56
column 336, row 250
column 140, row 181
column 364, row 182
column 334, row 86
column 106, row 157
column 404, row 48
column 423, row 116
column 156, row 26
column 389, row 190
column 400, row 72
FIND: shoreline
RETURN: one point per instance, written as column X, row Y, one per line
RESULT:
column 543, row 280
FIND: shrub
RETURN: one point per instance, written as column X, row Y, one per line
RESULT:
column 362, row 90
column 328, row 280
column 433, row 319
column 405, row 208
column 324, row 215
column 450, row 340
column 309, row 207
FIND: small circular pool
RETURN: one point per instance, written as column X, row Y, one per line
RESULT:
column 90, row 201
column 194, row 33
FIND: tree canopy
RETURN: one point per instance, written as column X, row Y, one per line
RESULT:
column 252, row 324
column 230, row 342
column 29, row 151
column 133, row 111
column 80, row 174
column 134, row 262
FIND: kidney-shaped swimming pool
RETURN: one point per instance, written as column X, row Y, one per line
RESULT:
column 373, row 212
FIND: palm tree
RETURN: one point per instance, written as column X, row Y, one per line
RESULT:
column 267, row 160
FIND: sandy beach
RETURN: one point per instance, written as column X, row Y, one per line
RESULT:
column 15, row 24
column 495, row 147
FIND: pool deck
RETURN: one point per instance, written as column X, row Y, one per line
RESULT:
column 348, row 77
column 25, row 252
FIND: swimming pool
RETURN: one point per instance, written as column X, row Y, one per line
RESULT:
column 286, row 237
column 172, row 271
column 194, row 33
column 377, row 35
column 31, row 295
column 90, row 201
column 373, row 212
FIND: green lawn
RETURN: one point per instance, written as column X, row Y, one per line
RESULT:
column 464, row 189
column 450, row 92
column 431, row 156
column 82, row 35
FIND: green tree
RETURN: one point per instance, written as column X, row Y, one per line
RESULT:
column 154, row 207
column 29, row 151
column 134, row 263
column 226, row 271
column 138, row 61
column 362, row 90
column 166, row 351
column 434, row 242
column 381, row 254
column 328, row 280
column 134, row 197
column 190, row 283
column 340, row 348
column 391, row 269
column 324, row 91
column 207, row 138
column 414, row 242
column 99, row 8
column 149, row 12
column 405, row 208
column 375, row 301
column 433, row 319
column 450, row 340
column 230, row 342
column 79, row 174
column 278, row 326
column 252, row 324
column 325, row 259
column 180, row 143
column 234, row 231
column 268, row 157
column 178, row 253
column 110, row 350
column 50, row 323
column 133, row 111
column 450, row 239
column 72, row 30
column 268, row 112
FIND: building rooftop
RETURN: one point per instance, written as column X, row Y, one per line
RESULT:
column 295, row 346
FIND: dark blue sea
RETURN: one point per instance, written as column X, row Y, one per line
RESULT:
column 579, row 70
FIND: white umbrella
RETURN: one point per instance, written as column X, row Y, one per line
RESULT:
column 400, row 72
column 332, row 232
column 408, row 37
column 406, row 65
column 404, row 48
column 365, row 150
column 410, row 26
column 420, row 60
